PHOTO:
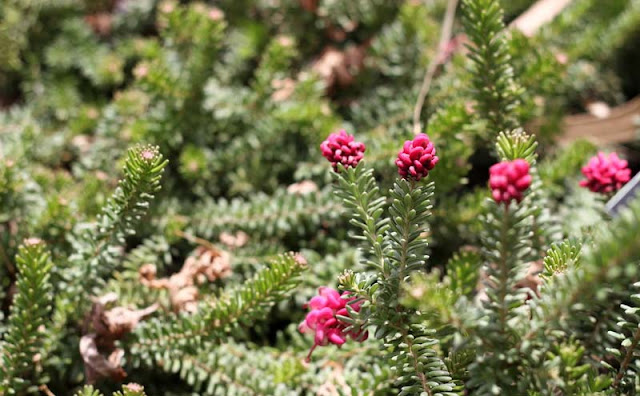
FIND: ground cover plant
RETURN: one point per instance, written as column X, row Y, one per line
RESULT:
column 292, row 197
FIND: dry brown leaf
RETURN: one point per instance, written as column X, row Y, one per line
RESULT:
column 531, row 281
column 206, row 264
column 141, row 70
column 213, row 264
column 105, row 299
column 147, row 272
column 300, row 259
column 234, row 241
column 310, row 5
column 598, row 109
column 285, row 41
column 133, row 387
column 215, row 14
column 455, row 45
column 339, row 33
column 101, row 357
column 540, row 13
column 120, row 321
column 302, row 188
column 284, row 88
column 339, row 68
column 167, row 6
column 335, row 381
column 32, row 241
column 98, row 366
column 100, row 22
column 562, row 58
column 82, row 143
column 110, row 325
column 185, row 299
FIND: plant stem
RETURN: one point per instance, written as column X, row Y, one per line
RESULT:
column 504, row 269
column 437, row 60
column 627, row 358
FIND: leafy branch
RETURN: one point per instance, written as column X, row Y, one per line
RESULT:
column 155, row 340
column 29, row 312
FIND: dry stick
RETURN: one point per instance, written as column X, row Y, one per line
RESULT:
column 540, row 13
column 445, row 37
column 44, row 388
column 197, row 240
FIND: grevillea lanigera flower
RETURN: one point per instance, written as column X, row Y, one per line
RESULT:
column 322, row 320
column 341, row 148
column 417, row 158
column 605, row 173
column 508, row 180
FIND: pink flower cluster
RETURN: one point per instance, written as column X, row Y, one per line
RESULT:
column 605, row 173
column 341, row 148
column 417, row 158
column 323, row 322
column 508, row 180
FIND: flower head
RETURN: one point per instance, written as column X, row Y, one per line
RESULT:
column 605, row 173
column 417, row 158
column 508, row 180
column 341, row 148
column 147, row 153
column 323, row 322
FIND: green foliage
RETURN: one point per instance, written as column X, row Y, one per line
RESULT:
column 398, row 247
column 283, row 215
column 561, row 257
column 127, row 390
column 417, row 364
column 88, row 390
column 495, row 90
column 506, row 248
column 131, row 390
column 575, row 377
column 97, row 250
column 361, row 194
column 226, row 368
column 17, row 18
column 517, row 144
column 462, row 273
column 126, row 283
column 22, row 342
column 556, row 171
column 451, row 127
column 570, row 301
column 156, row 340
column 628, row 334
column 604, row 262
column 408, row 213
column 78, row 47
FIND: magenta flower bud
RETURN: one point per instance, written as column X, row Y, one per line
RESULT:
column 417, row 158
column 324, row 324
column 605, row 174
column 341, row 148
column 508, row 180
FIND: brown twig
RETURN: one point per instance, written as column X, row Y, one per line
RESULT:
column 627, row 358
column 540, row 13
column 197, row 240
column 5, row 258
column 45, row 389
column 445, row 37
